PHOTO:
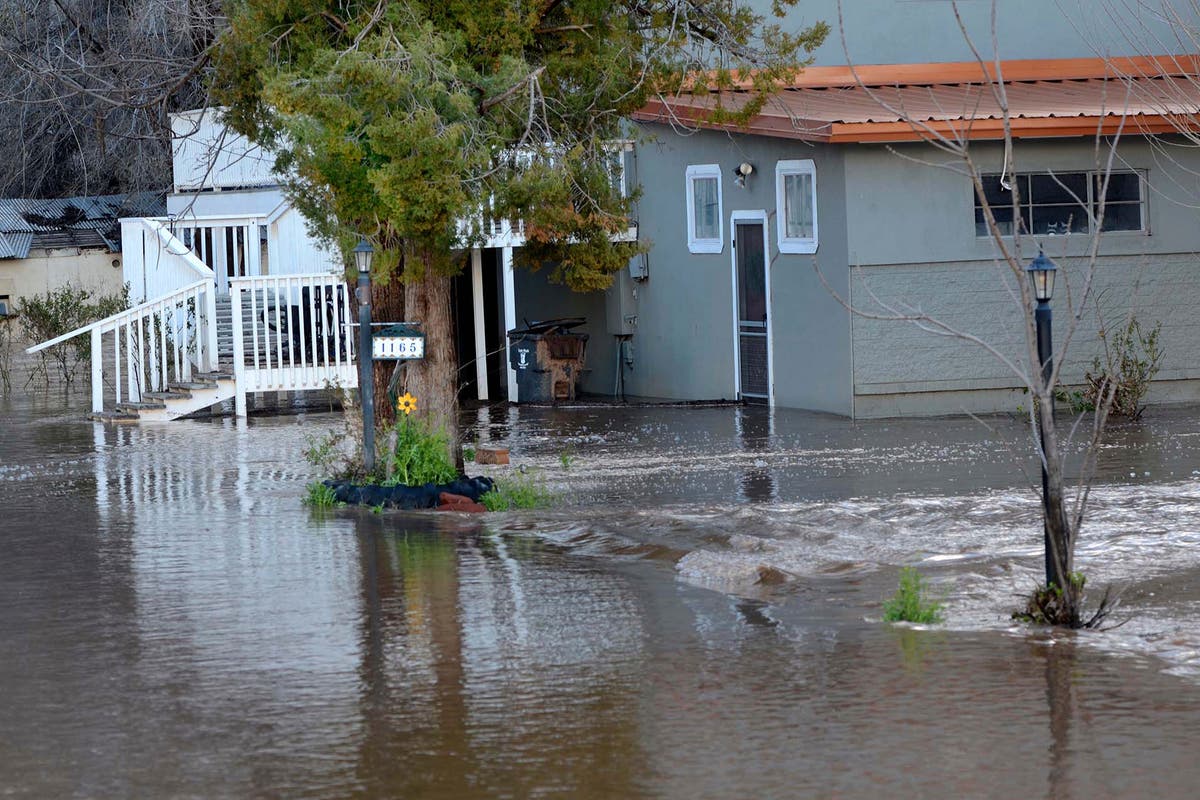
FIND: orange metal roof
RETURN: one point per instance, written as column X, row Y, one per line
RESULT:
column 905, row 102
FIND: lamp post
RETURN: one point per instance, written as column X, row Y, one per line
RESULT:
column 1041, row 274
column 366, row 373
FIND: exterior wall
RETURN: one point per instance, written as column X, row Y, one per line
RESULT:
column 919, row 31
column 45, row 270
column 207, row 155
column 684, row 343
column 912, row 244
column 225, row 203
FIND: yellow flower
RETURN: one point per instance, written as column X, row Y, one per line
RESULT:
column 407, row 404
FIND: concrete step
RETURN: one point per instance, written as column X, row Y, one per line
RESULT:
column 115, row 416
column 184, row 386
column 167, row 395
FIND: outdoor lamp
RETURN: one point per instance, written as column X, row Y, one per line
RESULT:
column 1041, row 273
column 743, row 171
column 362, row 255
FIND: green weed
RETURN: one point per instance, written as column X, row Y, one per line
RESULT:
column 320, row 496
column 909, row 604
column 517, row 491
column 468, row 453
column 416, row 454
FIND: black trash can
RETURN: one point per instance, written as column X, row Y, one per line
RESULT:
column 548, row 359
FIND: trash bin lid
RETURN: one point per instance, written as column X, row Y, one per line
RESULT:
column 559, row 325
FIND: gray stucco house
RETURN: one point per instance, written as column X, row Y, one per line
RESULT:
column 833, row 192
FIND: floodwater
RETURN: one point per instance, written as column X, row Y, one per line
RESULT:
column 699, row 619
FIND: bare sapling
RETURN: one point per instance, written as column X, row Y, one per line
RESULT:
column 1060, row 600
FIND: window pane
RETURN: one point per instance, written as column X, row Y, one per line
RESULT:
column 797, row 204
column 704, row 197
column 1004, row 220
column 1001, row 201
column 1059, row 219
column 1122, row 187
column 1122, row 217
column 1063, row 187
column 995, row 194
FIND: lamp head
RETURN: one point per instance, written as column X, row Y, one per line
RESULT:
column 742, row 171
column 362, row 255
column 1041, row 272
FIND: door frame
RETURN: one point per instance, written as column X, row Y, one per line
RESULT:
column 752, row 216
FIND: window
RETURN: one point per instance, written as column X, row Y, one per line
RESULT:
column 704, row 208
column 796, row 204
column 1059, row 203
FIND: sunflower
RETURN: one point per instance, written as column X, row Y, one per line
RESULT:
column 407, row 404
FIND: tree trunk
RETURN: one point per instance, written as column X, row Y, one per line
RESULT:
column 434, row 380
column 1059, row 544
column 387, row 305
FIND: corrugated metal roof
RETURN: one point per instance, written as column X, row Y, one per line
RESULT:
column 964, row 101
column 71, row 221
column 15, row 245
column 854, row 113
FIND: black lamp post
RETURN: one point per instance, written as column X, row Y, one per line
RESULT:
column 366, row 377
column 1041, row 273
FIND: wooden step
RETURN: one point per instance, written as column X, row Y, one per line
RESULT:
column 184, row 386
column 133, row 408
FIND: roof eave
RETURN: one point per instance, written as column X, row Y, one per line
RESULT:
column 1021, row 128
column 774, row 125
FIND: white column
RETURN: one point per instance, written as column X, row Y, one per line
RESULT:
column 510, row 316
column 481, row 376
column 97, row 371
column 239, row 352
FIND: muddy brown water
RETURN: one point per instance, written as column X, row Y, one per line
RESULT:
column 698, row 619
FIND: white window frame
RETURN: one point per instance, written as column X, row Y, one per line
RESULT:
column 696, row 245
column 794, row 244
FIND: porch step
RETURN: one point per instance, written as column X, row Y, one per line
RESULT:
column 134, row 408
column 114, row 416
column 167, row 395
column 186, row 386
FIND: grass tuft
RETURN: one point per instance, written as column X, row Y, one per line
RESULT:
column 516, row 492
column 909, row 604
column 320, row 495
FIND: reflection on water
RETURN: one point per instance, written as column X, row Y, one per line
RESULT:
column 176, row 624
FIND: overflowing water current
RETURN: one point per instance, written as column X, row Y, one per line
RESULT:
column 697, row 618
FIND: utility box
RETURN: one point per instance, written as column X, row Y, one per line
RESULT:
column 621, row 305
column 548, row 358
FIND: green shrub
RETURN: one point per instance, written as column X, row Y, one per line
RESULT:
column 517, row 491
column 1132, row 358
column 909, row 603
column 320, row 495
column 50, row 315
column 415, row 454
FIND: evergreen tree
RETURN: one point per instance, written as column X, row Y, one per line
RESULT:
column 397, row 119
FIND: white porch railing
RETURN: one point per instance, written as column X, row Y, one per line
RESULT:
column 156, row 262
column 291, row 332
column 230, row 246
column 151, row 345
